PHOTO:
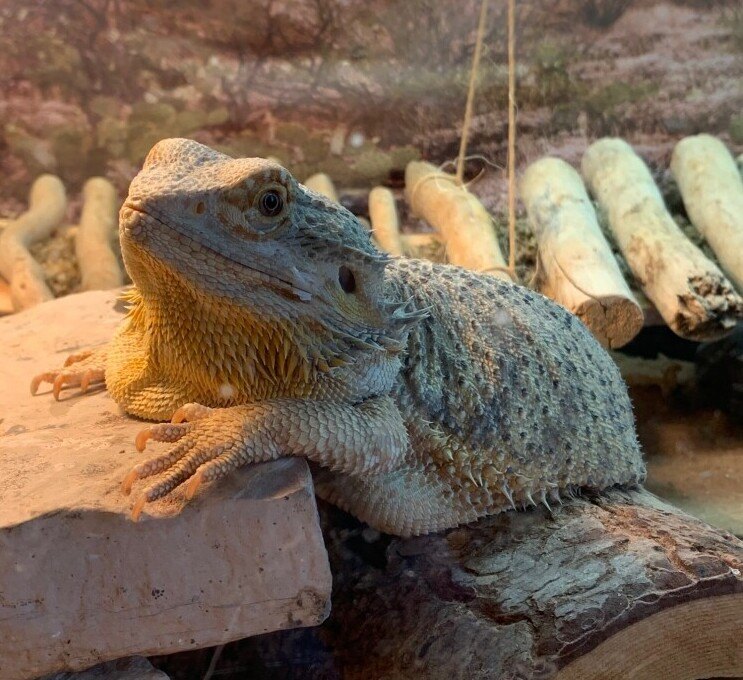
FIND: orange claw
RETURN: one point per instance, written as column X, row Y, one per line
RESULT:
column 128, row 481
column 57, row 388
column 37, row 380
column 140, row 440
column 137, row 508
column 194, row 484
column 179, row 416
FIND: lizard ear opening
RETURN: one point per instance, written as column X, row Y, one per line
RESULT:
column 346, row 279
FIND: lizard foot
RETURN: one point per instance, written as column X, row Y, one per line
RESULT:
column 206, row 449
column 84, row 369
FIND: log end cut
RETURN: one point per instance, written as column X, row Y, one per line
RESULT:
column 613, row 319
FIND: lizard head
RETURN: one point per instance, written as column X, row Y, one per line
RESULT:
column 245, row 231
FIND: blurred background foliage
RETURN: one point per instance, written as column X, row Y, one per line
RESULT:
column 355, row 88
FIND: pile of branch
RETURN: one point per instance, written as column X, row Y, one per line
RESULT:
column 576, row 266
column 99, row 266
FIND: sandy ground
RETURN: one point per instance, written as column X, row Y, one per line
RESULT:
column 694, row 457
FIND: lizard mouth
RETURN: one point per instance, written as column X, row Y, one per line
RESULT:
column 133, row 221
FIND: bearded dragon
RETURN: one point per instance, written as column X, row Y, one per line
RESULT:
column 264, row 323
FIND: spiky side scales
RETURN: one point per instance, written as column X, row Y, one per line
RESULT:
column 488, row 396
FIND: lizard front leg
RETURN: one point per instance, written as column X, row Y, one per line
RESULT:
column 83, row 369
column 369, row 437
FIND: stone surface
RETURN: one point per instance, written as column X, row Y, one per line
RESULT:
column 81, row 583
column 129, row 668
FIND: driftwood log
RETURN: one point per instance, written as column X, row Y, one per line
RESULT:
column 47, row 204
column 576, row 265
column 460, row 218
column 385, row 223
column 99, row 266
column 712, row 189
column 691, row 293
column 322, row 184
column 611, row 587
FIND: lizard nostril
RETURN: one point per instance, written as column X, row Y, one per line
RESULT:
column 200, row 208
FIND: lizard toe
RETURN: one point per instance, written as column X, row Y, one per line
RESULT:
column 83, row 370
column 162, row 432
column 190, row 412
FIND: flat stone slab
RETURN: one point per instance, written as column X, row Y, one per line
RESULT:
column 80, row 583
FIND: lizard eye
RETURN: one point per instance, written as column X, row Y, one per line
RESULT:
column 346, row 279
column 270, row 203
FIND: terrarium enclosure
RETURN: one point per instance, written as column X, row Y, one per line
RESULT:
column 588, row 150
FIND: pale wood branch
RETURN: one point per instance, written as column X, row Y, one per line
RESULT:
column 322, row 184
column 458, row 216
column 99, row 266
column 691, row 293
column 712, row 190
column 47, row 204
column 384, row 220
column 577, row 268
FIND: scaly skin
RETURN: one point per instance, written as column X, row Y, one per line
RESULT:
column 426, row 395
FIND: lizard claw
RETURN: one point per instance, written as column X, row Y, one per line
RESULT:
column 59, row 382
column 207, row 449
column 140, row 441
column 35, row 382
column 162, row 432
column 128, row 481
column 190, row 412
column 81, row 377
column 194, row 483
column 138, row 507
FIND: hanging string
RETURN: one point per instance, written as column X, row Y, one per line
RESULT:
column 512, row 137
column 471, row 91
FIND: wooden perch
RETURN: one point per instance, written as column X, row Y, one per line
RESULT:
column 99, row 266
column 691, row 293
column 458, row 216
column 322, row 184
column 47, row 204
column 712, row 189
column 384, row 221
column 617, row 586
column 576, row 265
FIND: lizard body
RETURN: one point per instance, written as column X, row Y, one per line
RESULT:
column 423, row 395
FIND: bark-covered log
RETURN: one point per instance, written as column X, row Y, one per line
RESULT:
column 617, row 586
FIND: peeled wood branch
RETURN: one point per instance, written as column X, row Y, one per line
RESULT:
column 47, row 205
column 712, row 190
column 690, row 292
column 576, row 264
column 99, row 266
column 384, row 220
column 458, row 216
column 322, row 184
